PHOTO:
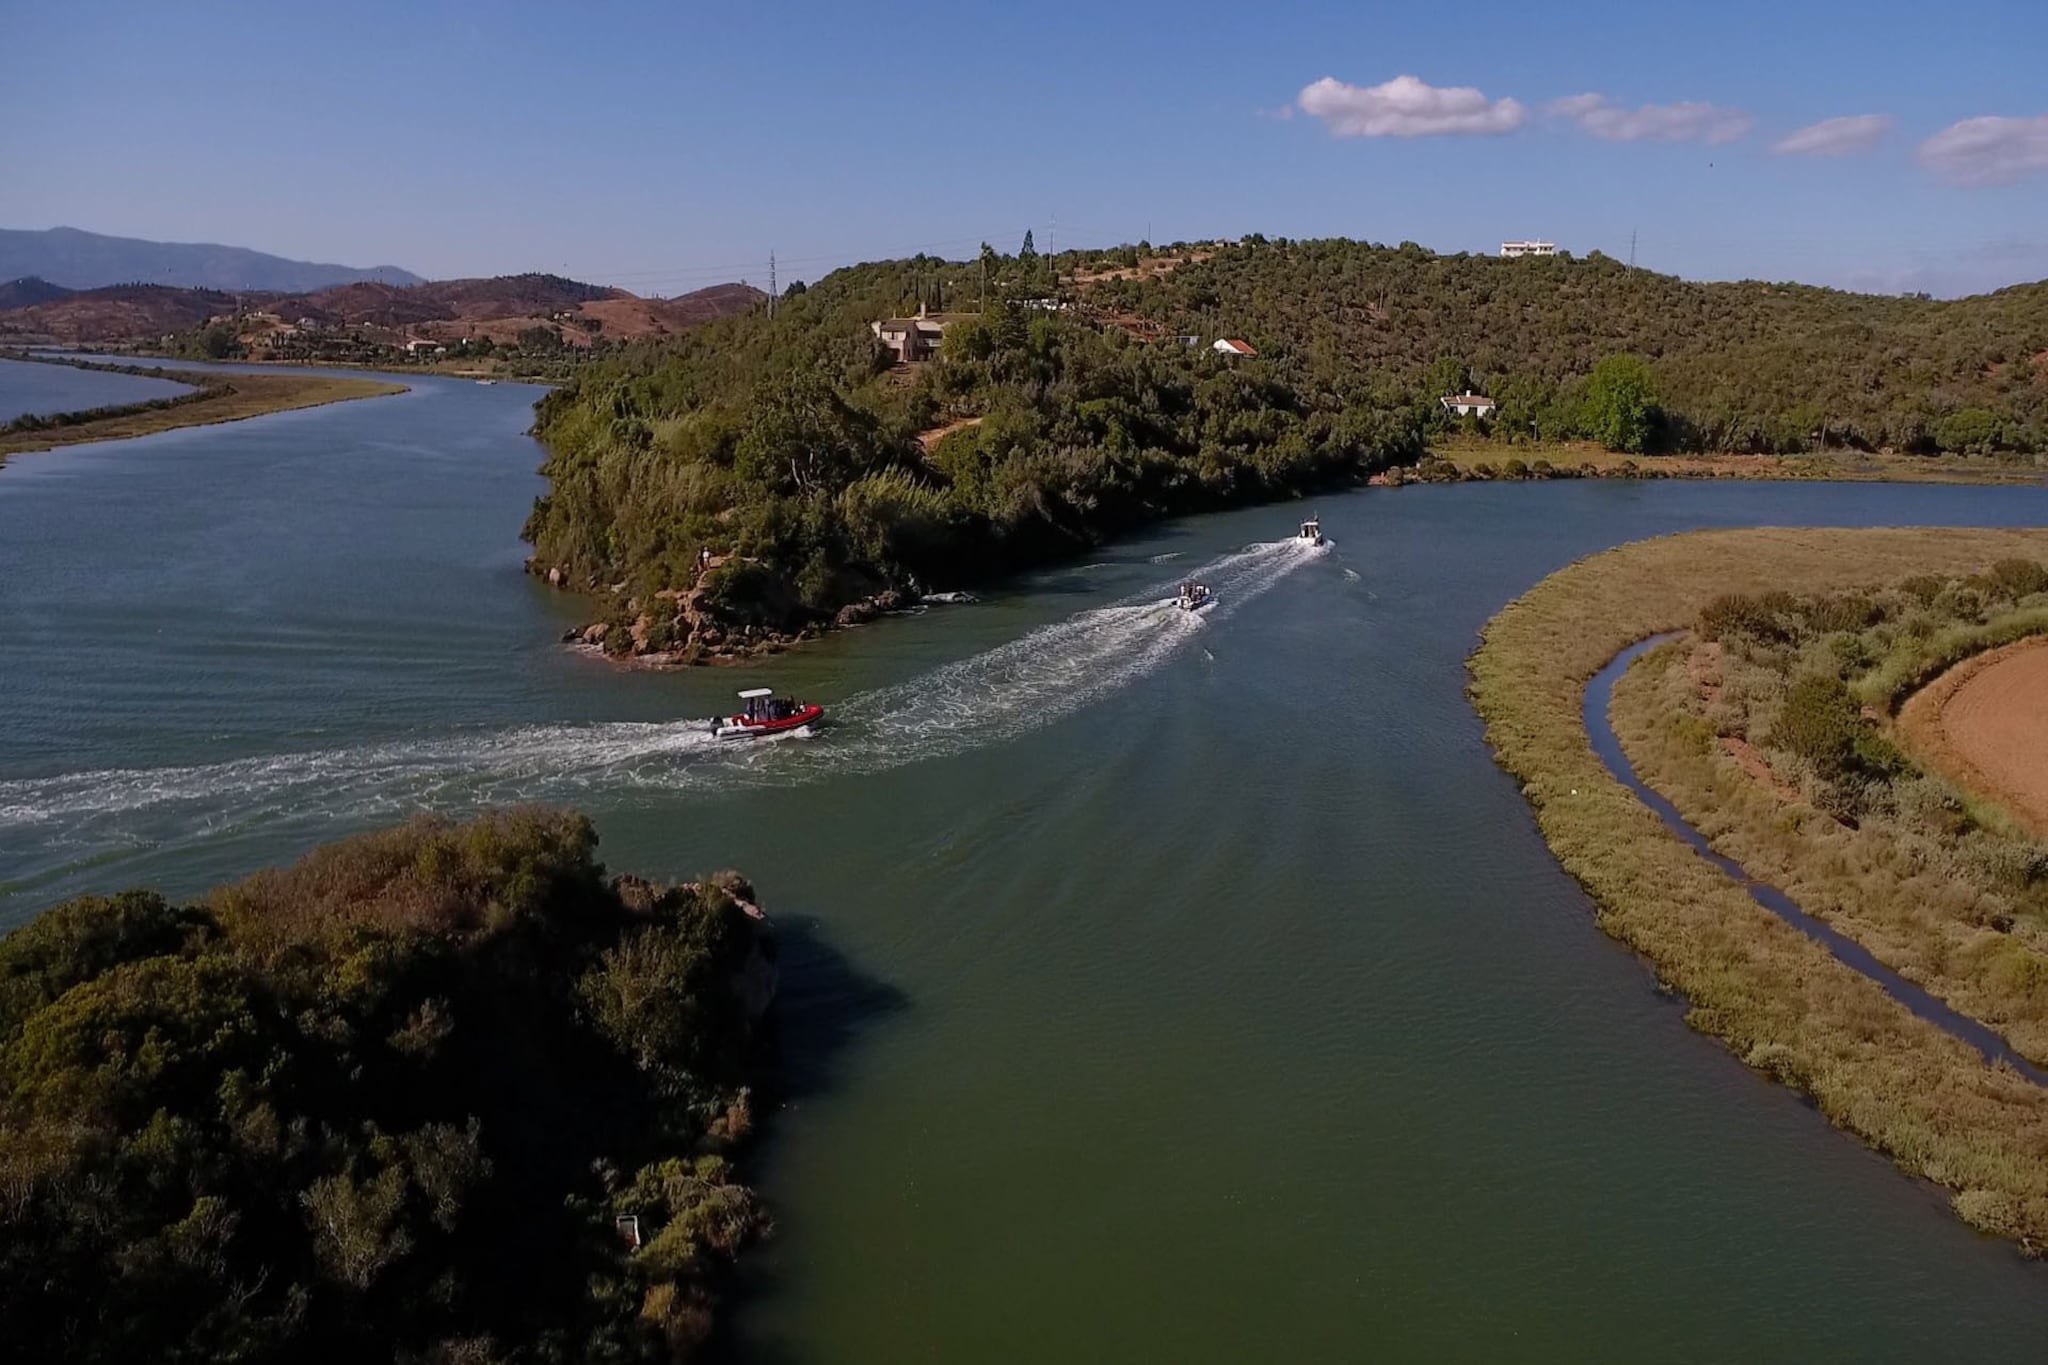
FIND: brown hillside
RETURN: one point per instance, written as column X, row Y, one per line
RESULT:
column 122, row 312
column 499, row 308
column 28, row 291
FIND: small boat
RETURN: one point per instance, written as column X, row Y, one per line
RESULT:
column 1194, row 597
column 766, row 714
column 487, row 382
column 1311, row 532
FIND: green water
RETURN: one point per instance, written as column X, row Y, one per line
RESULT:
column 1154, row 991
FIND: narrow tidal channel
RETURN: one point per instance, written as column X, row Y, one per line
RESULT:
column 1846, row 950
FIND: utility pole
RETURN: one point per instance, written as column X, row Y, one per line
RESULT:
column 1631, row 248
column 771, row 284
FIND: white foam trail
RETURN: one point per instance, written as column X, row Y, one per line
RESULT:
column 985, row 699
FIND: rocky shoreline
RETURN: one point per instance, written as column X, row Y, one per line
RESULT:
column 676, row 631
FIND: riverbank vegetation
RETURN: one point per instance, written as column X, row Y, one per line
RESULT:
column 1780, row 1000
column 216, row 397
column 1070, row 400
column 1470, row 457
column 442, row 1093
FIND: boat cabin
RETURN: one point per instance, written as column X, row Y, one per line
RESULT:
column 1312, row 531
column 761, row 703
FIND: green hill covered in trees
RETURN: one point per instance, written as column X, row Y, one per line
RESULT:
column 388, row 1104
column 1066, row 405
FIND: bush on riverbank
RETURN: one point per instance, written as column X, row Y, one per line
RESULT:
column 1778, row 999
column 389, row 1103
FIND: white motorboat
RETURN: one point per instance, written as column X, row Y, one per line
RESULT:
column 1311, row 533
column 1194, row 597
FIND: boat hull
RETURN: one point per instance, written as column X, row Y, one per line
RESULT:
column 739, row 727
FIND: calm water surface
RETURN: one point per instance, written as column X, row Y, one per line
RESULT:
column 1157, row 991
column 26, row 386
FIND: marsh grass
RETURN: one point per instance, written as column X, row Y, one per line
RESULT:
column 1778, row 999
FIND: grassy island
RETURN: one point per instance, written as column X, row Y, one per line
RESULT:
column 1770, row 728
column 216, row 397
column 443, row 1093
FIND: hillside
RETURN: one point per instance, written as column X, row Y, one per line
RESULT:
column 1737, row 367
column 87, row 260
column 119, row 313
column 820, row 473
column 500, row 309
column 29, row 291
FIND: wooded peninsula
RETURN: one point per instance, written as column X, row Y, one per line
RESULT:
column 924, row 423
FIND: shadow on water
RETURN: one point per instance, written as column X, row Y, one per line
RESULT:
column 1846, row 950
column 824, row 1004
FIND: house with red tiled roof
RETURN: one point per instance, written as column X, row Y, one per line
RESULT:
column 1232, row 346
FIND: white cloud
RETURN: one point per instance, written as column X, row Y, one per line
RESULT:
column 1687, row 122
column 1836, row 136
column 1407, row 107
column 1988, row 151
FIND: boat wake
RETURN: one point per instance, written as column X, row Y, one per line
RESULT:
column 985, row 699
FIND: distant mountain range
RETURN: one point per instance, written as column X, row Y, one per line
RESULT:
column 77, row 259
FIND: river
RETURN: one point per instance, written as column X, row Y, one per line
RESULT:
column 1154, row 990
column 30, row 387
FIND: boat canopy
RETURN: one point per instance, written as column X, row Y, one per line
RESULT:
column 753, row 692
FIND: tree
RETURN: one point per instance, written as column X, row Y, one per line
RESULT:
column 1621, row 409
column 1028, row 249
column 1968, row 431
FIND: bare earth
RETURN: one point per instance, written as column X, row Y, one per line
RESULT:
column 1984, row 724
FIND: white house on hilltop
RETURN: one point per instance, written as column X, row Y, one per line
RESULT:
column 914, row 338
column 1531, row 248
column 1232, row 346
column 1467, row 405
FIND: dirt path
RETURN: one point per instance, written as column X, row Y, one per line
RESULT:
column 928, row 439
column 1984, row 724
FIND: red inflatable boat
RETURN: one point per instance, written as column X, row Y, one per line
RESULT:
column 766, row 714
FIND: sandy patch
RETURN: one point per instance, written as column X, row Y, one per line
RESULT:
column 1984, row 724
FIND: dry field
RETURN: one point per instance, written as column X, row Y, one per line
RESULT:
column 1984, row 725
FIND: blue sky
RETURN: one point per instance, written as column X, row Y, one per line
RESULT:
column 663, row 147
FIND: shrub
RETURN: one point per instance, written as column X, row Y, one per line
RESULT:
column 1737, row 614
column 2018, row 578
column 1819, row 722
column 1843, row 611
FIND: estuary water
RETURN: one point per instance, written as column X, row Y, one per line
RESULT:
column 31, row 387
column 1155, row 989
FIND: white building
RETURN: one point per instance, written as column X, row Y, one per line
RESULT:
column 1467, row 404
column 1232, row 346
column 1528, row 248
